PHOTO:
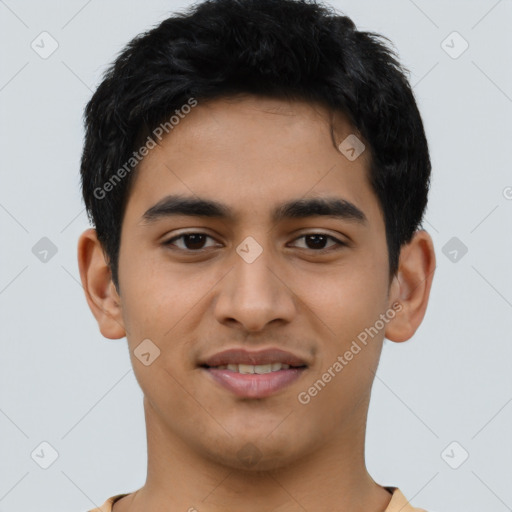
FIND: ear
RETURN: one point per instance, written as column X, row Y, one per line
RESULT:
column 100, row 292
column 410, row 288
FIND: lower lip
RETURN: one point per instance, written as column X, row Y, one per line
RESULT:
column 253, row 385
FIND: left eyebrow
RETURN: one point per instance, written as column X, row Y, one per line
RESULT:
column 319, row 206
column 175, row 205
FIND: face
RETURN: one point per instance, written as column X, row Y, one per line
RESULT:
column 251, row 277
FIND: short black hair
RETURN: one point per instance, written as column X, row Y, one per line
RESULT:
column 286, row 49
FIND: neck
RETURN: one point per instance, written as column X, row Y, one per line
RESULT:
column 333, row 477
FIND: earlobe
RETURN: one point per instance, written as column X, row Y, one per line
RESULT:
column 411, row 287
column 99, row 289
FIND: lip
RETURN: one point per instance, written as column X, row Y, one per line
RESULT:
column 244, row 356
column 249, row 385
column 253, row 385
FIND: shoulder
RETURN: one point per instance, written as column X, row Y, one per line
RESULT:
column 399, row 502
column 107, row 506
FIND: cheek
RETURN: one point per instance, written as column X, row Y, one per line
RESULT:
column 156, row 295
column 166, row 307
column 345, row 300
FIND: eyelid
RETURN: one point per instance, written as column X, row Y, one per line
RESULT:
column 181, row 235
column 339, row 243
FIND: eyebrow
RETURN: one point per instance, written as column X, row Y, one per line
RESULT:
column 175, row 205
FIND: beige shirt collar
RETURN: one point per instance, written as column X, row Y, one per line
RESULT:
column 398, row 503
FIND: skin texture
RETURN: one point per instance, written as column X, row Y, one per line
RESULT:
column 252, row 153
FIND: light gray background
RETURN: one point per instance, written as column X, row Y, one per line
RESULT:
column 63, row 383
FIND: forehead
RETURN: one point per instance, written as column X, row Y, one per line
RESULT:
column 232, row 121
column 253, row 153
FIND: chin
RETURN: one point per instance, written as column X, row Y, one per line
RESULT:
column 258, row 454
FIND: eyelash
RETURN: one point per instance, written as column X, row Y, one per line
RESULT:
column 320, row 251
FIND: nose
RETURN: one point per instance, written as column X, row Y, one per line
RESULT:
column 254, row 294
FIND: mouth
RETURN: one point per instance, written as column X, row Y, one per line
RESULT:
column 254, row 374
column 258, row 369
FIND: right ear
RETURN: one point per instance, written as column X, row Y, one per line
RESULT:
column 100, row 292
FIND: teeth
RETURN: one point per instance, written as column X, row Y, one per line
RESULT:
column 255, row 368
column 246, row 368
column 263, row 368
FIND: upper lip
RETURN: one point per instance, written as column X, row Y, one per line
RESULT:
column 244, row 356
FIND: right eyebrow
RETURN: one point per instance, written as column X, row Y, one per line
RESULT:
column 174, row 205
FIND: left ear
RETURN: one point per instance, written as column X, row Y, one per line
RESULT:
column 410, row 288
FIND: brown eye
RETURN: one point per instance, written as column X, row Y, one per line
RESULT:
column 317, row 241
column 191, row 241
column 195, row 242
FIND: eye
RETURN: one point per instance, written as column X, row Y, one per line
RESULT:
column 316, row 241
column 194, row 242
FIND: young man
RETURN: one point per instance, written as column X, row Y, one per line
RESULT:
column 256, row 172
